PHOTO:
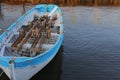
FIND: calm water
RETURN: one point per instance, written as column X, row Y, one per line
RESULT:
column 91, row 47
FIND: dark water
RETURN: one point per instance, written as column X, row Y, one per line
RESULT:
column 91, row 47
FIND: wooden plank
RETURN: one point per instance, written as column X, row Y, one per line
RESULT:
column 24, row 41
column 41, row 41
column 35, row 42
column 17, row 41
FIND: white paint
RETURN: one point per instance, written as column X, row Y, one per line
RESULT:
column 6, row 70
column 47, row 46
column 2, row 50
column 27, row 72
column 53, row 11
column 12, row 72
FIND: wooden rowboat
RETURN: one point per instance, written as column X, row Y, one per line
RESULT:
column 30, row 43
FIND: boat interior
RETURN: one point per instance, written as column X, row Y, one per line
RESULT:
column 34, row 36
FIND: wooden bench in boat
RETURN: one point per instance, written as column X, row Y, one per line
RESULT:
column 22, row 39
column 18, row 41
column 25, row 44
column 41, row 41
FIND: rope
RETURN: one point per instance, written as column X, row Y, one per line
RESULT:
column 1, row 74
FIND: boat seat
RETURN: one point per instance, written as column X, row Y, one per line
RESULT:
column 47, row 46
column 54, row 34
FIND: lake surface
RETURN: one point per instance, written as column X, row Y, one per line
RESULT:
column 91, row 47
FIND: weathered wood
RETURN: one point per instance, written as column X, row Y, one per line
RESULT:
column 22, row 34
column 36, row 40
column 36, row 32
column 24, row 41
column 43, row 39
column 18, row 40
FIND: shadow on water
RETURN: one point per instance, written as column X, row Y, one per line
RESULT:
column 3, row 76
column 51, row 72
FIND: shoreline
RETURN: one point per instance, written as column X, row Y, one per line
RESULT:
column 57, row 3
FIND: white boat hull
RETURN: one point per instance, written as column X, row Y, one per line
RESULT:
column 26, row 73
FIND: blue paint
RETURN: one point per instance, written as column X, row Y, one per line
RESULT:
column 11, row 27
column 23, row 62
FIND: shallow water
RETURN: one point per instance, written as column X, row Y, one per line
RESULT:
column 91, row 47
